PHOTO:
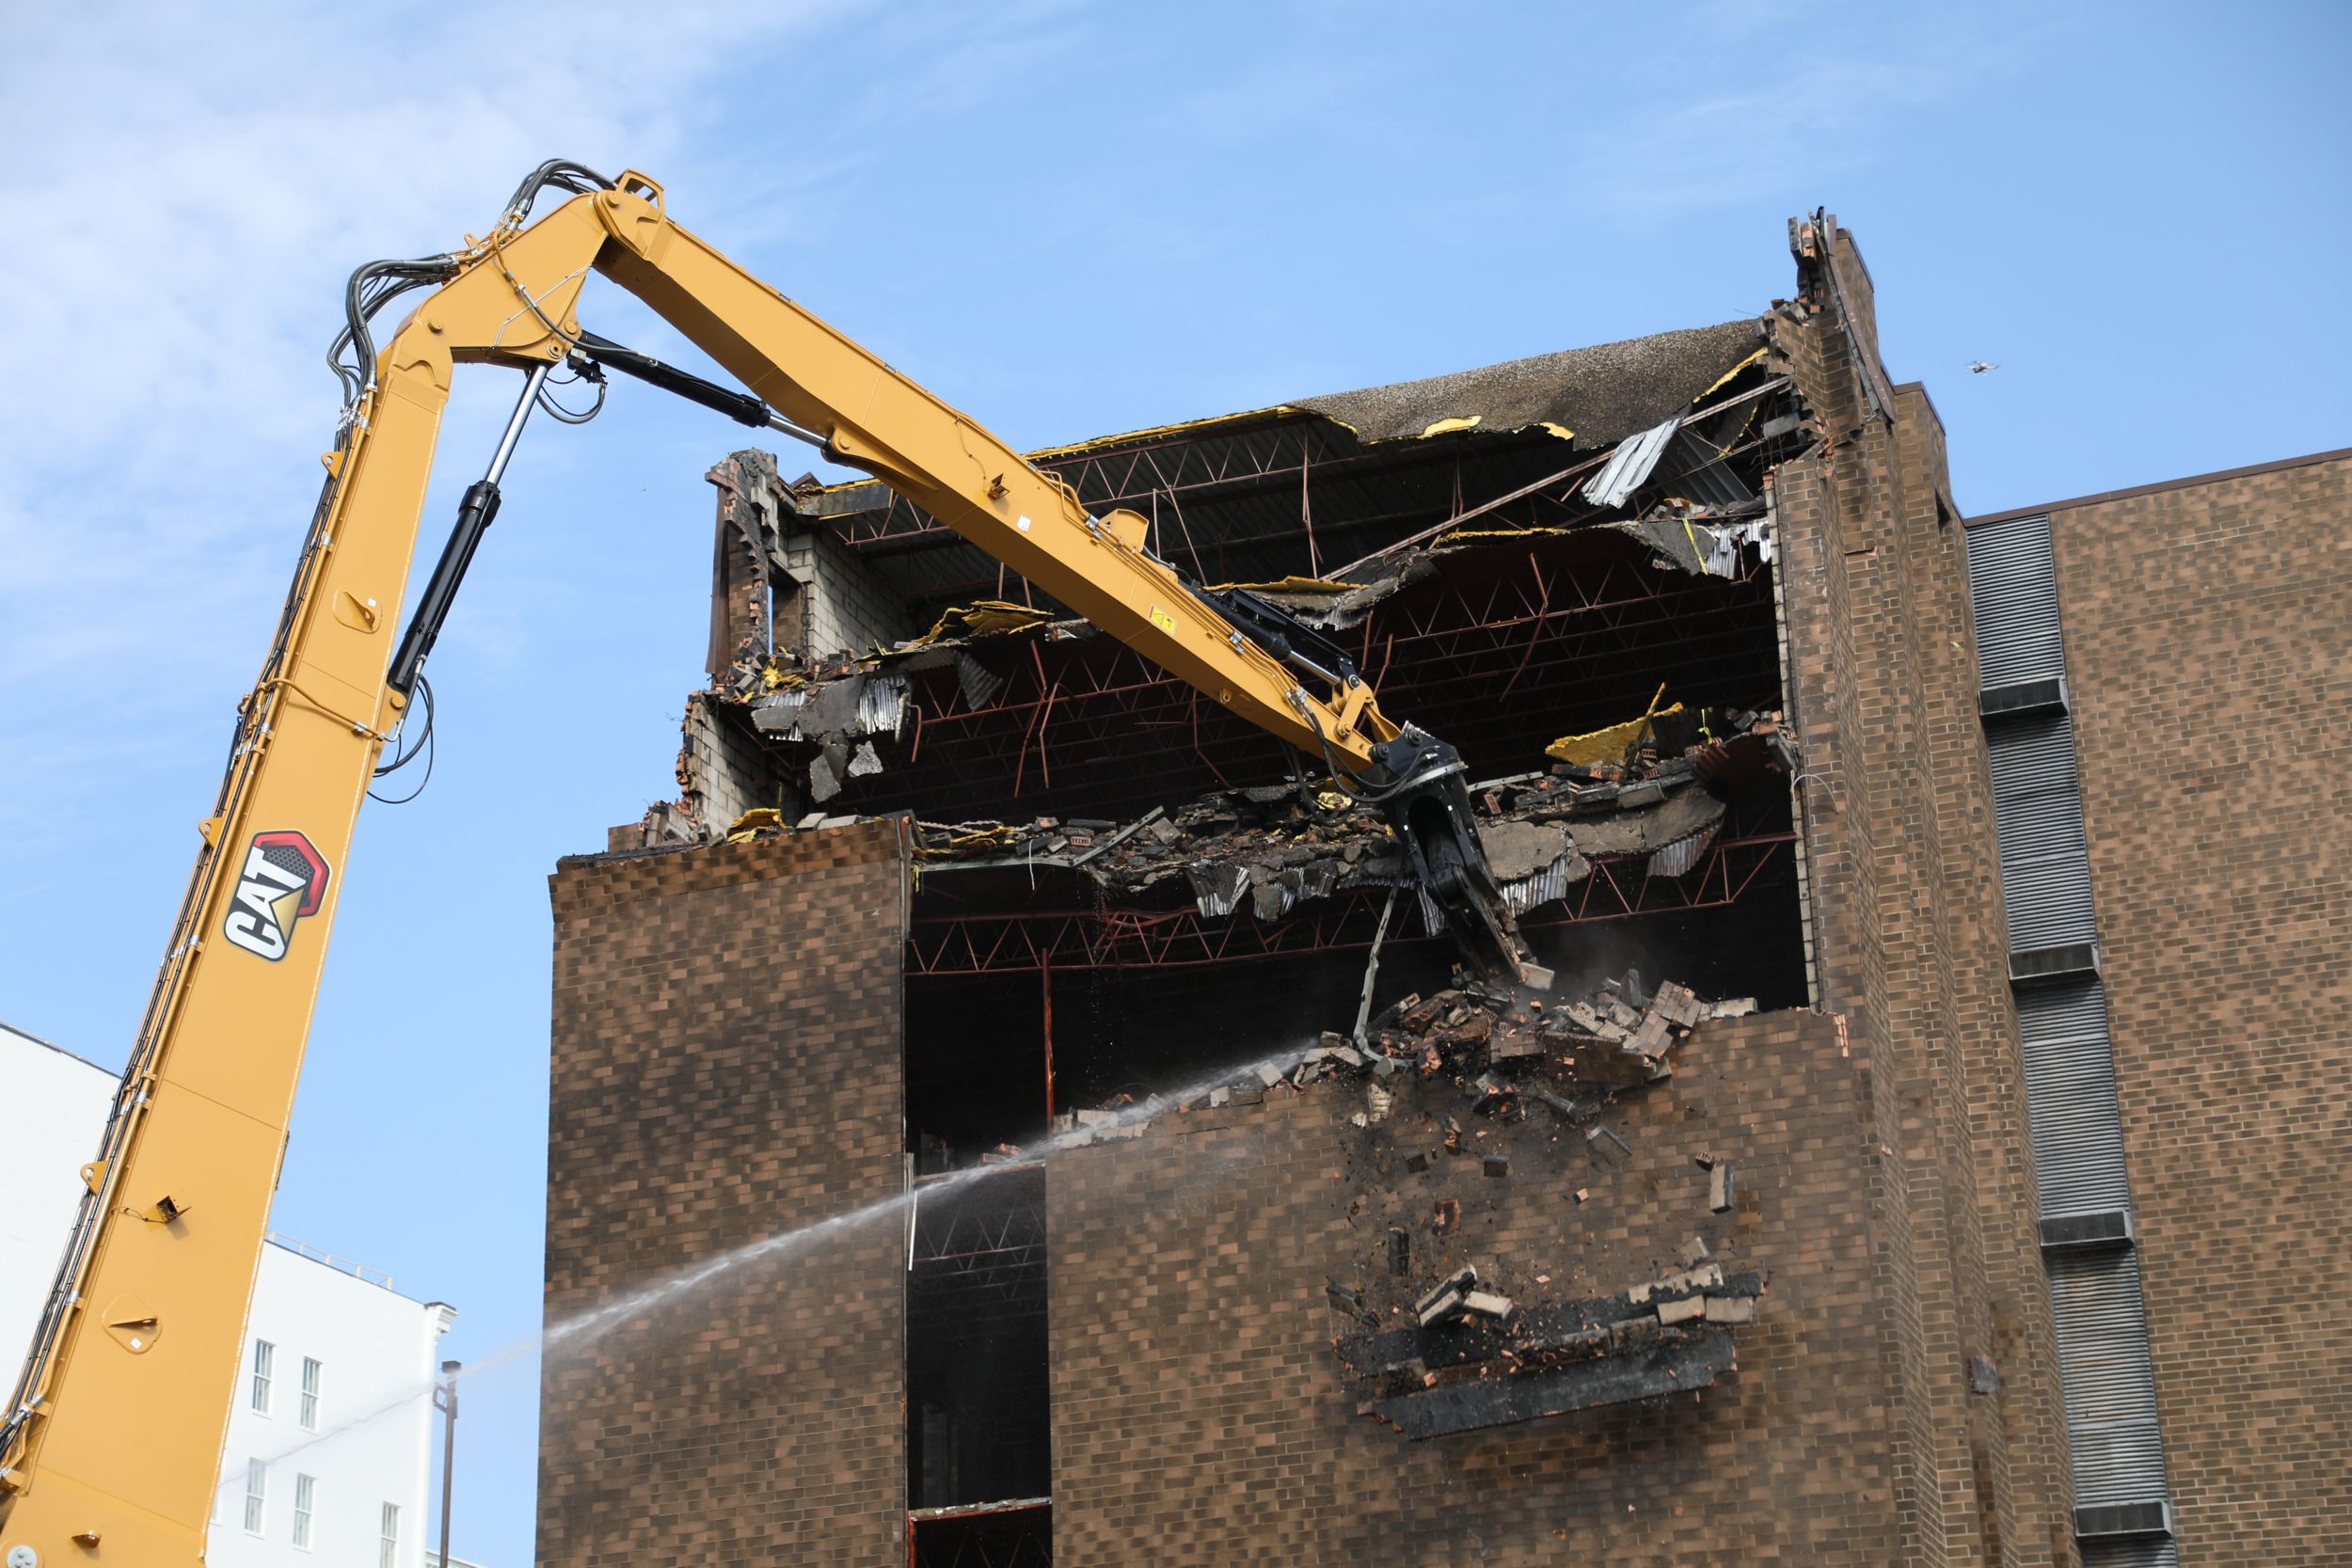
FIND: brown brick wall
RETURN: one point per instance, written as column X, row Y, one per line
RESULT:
column 2016, row 1450
column 1198, row 1412
column 1198, row 1407
column 2209, row 654
column 727, row 1047
column 1908, row 939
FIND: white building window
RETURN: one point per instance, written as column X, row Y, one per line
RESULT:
column 256, row 1492
column 306, row 1496
column 387, row 1538
column 264, row 1357
column 310, row 1395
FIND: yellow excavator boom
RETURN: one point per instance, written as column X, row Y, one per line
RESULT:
column 111, row 1445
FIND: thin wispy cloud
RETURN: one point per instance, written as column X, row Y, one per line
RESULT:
column 1798, row 119
column 201, row 181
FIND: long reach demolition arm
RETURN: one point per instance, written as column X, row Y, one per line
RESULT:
column 111, row 1445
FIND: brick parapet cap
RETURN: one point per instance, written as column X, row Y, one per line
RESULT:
column 583, row 885
column 2221, row 476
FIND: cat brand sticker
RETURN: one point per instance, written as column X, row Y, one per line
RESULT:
column 283, row 879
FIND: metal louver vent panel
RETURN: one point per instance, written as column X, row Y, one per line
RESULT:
column 2110, row 1389
column 2013, row 581
column 2112, row 1435
column 2049, row 901
column 2069, row 1099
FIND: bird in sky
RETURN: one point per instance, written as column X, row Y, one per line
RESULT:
column 1977, row 366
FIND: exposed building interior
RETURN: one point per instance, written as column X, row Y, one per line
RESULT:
column 1188, row 1194
column 1563, row 566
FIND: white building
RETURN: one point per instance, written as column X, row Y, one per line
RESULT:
column 333, row 1429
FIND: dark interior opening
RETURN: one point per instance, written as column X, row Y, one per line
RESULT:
column 976, row 1066
column 977, row 1423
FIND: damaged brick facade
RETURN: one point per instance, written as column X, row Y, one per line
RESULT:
column 1195, row 1400
column 703, row 1088
column 1085, row 884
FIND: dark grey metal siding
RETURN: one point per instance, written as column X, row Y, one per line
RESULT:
column 2113, row 1441
column 2069, row 1099
column 2014, row 586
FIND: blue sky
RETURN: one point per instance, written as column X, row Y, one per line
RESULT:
column 1066, row 219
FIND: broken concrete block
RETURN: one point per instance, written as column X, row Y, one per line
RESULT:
column 1738, row 1007
column 864, row 762
column 1446, row 1218
column 1459, row 1281
column 1652, row 1038
column 1730, row 1309
column 1219, row 1097
column 1348, row 1055
column 1096, row 1118
column 1703, row 1277
column 1378, row 1103
column 1678, row 1005
column 1686, row 1310
column 1694, row 1252
column 1498, row 1164
column 1605, row 1147
column 1722, row 1190
column 1417, row 1161
column 1486, row 1304
column 1518, row 850
column 1269, row 1076
column 1513, row 1044
column 1648, row 793
column 1358, row 1119
column 1400, row 1250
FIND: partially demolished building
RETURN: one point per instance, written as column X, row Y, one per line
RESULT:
column 1190, row 1203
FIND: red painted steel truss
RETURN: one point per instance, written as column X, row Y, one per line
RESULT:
column 987, row 1535
column 1113, row 937
column 1514, row 644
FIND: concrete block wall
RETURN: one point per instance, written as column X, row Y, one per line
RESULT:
column 836, row 603
column 1197, row 1405
column 2209, row 658
column 721, row 771
column 771, row 559
column 726, row 1065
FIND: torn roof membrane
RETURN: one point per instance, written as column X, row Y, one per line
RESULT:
column 1597, row 395
column 1592, row 396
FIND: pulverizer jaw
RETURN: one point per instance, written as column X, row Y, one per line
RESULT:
column 1430, row 810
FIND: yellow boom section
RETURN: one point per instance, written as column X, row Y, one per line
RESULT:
column 114, row 1439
